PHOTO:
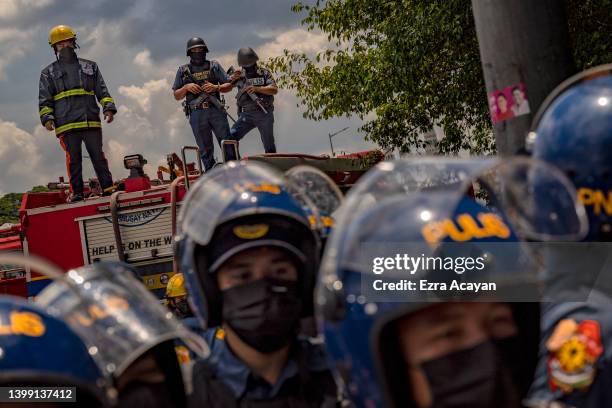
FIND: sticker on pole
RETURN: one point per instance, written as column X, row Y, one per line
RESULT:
column 508, row 103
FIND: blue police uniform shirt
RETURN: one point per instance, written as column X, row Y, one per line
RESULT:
column 216, row 75
column 259, row 77
column 238, row 376
column 579, row 373
column 193, row 323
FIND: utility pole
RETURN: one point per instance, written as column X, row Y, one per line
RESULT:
column 523, row 44
column 330, row 139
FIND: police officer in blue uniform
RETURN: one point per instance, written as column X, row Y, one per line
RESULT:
column 573, row 131
column 397, row 337
column 201, row 75
column 67, row 94
column 249, row 257
column 259, row 111
column 39, row 350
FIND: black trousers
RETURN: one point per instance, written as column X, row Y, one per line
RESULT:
column 71, row 143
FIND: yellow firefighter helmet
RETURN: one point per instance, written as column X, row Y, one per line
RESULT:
column 176, row 286
column 61, row 33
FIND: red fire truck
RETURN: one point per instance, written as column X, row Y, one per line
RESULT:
column 135, row 224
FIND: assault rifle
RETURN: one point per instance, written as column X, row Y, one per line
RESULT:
column 241, row 82
column 210, row 99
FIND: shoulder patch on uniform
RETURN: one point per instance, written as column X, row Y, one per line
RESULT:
column 220, row 334
column 183, row 69
column 574, row 349
column 182, row 353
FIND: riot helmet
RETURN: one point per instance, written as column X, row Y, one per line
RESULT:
column 39, row 350
column 453, row 219
column 573, row 131
column 237, row 208
column 195, row 42
column 247, row 57
column 132, row 333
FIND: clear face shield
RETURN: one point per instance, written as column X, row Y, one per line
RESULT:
column 449, row 206
column 322, row 192
column 416, row 233
column 117, row 317
column 236, row 185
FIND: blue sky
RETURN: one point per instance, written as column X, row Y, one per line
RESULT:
column 138, row 45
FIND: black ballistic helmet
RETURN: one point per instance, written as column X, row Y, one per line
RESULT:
column 247, row 57
column 194, row 43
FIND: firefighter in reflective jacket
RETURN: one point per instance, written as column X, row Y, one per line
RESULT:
column 176, row 295
column 68, row 90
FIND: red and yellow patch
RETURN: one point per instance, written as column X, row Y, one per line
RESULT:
column 182, row 353
column 574, row 349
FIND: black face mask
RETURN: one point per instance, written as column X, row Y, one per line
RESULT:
column 67, row 54
column 143, row 394
column 472, row 378
column 198, row 58
column 251, row 68
column 182, row 310
column 264, row 314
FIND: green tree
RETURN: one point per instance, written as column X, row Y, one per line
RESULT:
column 415, row 64
column 9, row 208
column 10, row 203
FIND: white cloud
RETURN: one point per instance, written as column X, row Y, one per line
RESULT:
column 14, row 43
column 20, row 155
column 144, row 94
column 151, row 113
column 143, row 59
column 296, row 40
column 115, row 152
column 13, row 35
column 12, row 8
column 149, row 120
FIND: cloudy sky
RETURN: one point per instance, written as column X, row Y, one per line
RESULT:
column 138, row 45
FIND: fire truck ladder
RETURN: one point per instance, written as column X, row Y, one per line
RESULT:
column 174, row 192
column 114, row 207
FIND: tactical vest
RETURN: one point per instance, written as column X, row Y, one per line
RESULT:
column 199, row 75
column 256, row 78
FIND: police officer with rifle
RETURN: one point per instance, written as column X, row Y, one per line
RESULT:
column 201, row 82
column 256, row 90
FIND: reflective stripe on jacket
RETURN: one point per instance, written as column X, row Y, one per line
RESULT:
column 70, row 100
